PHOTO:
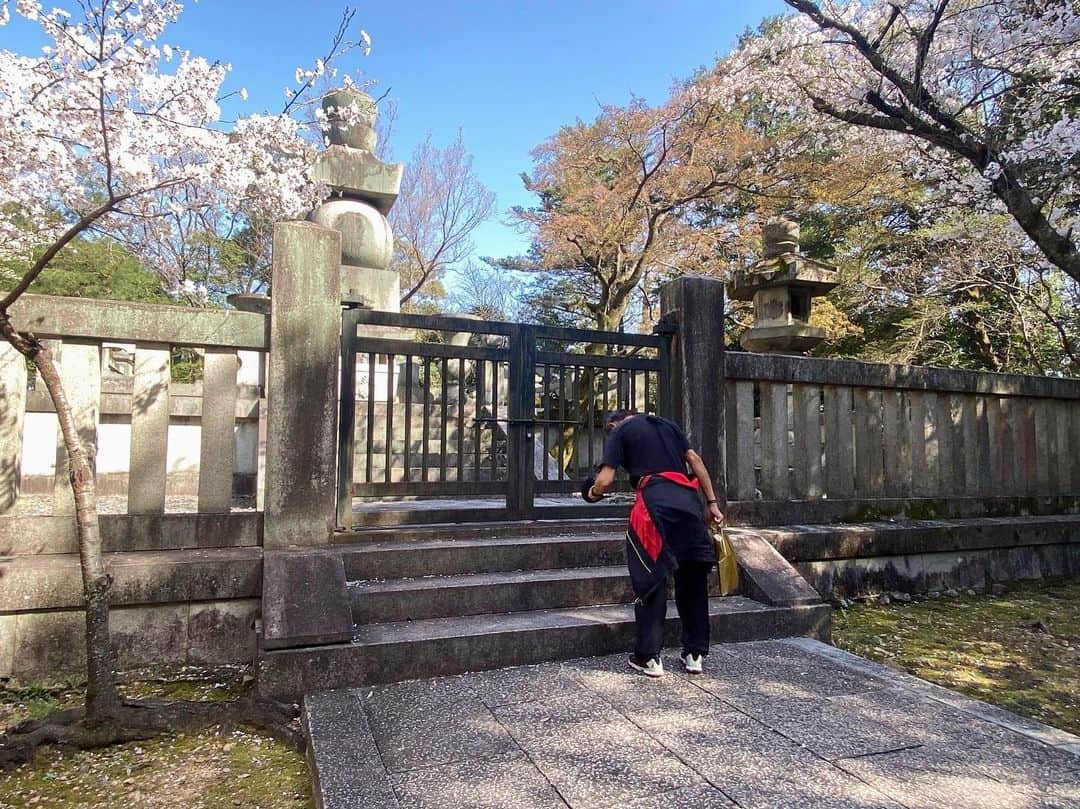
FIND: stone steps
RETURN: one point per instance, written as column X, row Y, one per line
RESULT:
column 479, row 593
column 389, row 652
column 422, row 556
column 426, row 601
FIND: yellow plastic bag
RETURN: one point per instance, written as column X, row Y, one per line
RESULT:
column 727, row 565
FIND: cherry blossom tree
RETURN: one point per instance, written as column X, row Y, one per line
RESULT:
column 983, row 96
column 442, row 202
column 110, row 132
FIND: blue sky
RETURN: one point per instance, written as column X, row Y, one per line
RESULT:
column 509, row 74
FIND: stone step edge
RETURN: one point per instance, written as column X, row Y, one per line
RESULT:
column 503, row 529
column 380, row 653
column 530, row 620
column 500, row 578
column 399, row 545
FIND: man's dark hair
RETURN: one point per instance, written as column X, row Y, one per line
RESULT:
column 616, row 416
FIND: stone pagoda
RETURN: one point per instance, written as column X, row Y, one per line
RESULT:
column 363, row 189
column 781, row 285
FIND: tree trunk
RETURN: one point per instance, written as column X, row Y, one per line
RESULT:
column 102, row 698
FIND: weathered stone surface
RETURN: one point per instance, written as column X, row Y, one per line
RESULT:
column 421, row 724
column 80, row 374
column 49, row 316
column 522, row 684
column 620, row 738
column 845, row 509
column 813, row 370
column 359, row 174
column 149, row 429
column 221, row 632
column 7, row 644
column 796, row 337
column 927, row 555
column 371, row 288
column 150, row 635
column 49, row 642
column 775, row 451
column 508, row 781
column 305, row 327
column 305, row 600
column 342, row 755
column 55, row 581
column 391, row 652
column 12, row 413
column 366, row 238
column 217, row 451
column 696, row 306
column 350, row 118
column 767, row 576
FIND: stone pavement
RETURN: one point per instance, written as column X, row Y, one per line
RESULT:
column 776, row 724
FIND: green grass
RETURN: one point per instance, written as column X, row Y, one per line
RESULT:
column 1020, row 650
column 213, row 768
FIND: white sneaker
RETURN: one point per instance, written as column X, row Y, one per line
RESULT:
column 694, row 664
column 650, row 668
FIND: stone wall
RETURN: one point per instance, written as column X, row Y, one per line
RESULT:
column 924, row 556
column 187, row 591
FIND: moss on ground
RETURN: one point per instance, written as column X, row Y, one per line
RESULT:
column 210, row 769
column 1019, row 650
column 218, row 767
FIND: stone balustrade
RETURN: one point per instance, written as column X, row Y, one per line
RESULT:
column 804, row 429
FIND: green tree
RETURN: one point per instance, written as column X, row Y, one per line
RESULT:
column 90, row 268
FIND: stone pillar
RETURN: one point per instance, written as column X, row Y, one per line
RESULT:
column 302, row 398
column 12, row 414
column 363, row 191
column 695, row 307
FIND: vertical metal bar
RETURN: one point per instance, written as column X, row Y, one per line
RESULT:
column 443, row 384
column 408, row 417
column 521, row 406
column 425, row 424
column 389, row 417
column 544, row 414
column 494, row 417
column 563, row 427
column 370, row 438
column 477, row 415
column 461, row 421
column 589, row 397
column 347, row 420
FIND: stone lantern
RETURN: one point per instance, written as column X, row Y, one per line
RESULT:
column 363, row 189
column 781, row 285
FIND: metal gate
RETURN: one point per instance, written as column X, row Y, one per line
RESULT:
column 455, row 419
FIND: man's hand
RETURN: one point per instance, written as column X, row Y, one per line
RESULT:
column 716, row 514
column 587, row 493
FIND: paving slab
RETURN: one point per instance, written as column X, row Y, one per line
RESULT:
column 772, row 724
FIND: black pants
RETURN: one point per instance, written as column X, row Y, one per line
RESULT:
column 692, row 601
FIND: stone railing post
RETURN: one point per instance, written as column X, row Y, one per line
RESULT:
column 694, row 306
column 302, row 406
column 12, row 413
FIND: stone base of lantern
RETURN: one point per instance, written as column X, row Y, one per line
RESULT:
column 795, row 338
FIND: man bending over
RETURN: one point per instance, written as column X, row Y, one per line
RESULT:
column 667, row 534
